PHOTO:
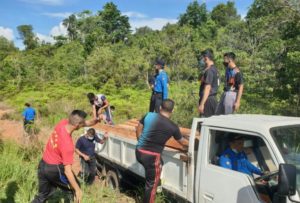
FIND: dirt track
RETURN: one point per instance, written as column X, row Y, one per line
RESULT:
column 13, row 130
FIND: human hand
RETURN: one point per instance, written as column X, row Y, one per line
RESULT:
column 105, row 135
column 86, row 158
column 236, row 106
column 201, row 108
column 78, row 196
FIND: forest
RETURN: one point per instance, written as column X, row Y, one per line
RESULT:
column 101, row 53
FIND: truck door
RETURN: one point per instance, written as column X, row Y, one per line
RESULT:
column 217, row 184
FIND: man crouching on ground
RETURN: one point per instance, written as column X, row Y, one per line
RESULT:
column 55, row 168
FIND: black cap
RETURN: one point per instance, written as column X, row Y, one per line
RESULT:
column 160, row 62
column 235, row 137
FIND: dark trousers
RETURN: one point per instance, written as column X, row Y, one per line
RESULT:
column 155, row 102
column 50, row 177
column 152, row 164
column 88, row 169
column 210, row 106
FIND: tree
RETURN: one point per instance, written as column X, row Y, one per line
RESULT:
column 222, row 14
column 26, row 34
column 195, row 15
column 6, row 47
column 115, row 25
column 71, row 24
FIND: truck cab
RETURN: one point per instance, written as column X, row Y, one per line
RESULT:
column 271, row 143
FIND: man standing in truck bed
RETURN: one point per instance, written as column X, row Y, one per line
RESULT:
column 153, row 131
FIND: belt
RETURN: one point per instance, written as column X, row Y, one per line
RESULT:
column 157, row 92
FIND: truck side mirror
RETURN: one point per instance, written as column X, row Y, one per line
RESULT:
column 287, row 180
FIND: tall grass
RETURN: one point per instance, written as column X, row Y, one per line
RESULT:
column 18, row 178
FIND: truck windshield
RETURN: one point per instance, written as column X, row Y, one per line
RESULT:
column 288, row 141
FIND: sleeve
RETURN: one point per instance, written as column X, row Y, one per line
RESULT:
column 103, row 98
column 239, row 78
column 177, row 134
column 225, row 162
column 78, row 143
column 142, row 121
column 97, row 139
column 24, row 113
column 164, row 83
column 208, row 77
column 253, row 169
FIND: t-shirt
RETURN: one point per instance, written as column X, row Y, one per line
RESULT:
column 210, row 77
column 234, row 78
column 156, row 132
column 87, row 146
column 29, row 114
column 59, row 148
column 100, row 101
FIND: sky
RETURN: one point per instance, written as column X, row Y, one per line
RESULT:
column 46, row 15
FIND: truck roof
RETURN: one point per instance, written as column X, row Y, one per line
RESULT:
column 250, row 122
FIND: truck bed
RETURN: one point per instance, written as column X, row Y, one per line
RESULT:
column 128, row 130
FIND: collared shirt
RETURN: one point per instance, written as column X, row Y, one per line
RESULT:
column 161, row 84
column 29, row 114
column 238, row 162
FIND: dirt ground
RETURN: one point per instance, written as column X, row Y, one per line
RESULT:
column 13, row 130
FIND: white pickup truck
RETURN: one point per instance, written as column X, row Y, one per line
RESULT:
column 271, row 143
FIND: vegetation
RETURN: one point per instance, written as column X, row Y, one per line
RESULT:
column 102, row 54
column 18, row 178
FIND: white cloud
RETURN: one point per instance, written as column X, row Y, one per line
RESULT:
column 133, row 14
column 45, row 38
column 58, row 15
column 45, row 2
column 55, row 31
column 58, row 30
column 154, row 23
column 7, row 33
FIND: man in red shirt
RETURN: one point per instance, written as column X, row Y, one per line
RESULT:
column 55, row 168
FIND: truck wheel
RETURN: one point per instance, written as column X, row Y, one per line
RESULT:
column 101, row 171
column 112, row 180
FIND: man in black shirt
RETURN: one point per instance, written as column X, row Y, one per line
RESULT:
column 153, row 131
column 209, row 85
column 233, row 87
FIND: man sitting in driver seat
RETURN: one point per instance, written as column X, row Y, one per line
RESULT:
column 234, row 157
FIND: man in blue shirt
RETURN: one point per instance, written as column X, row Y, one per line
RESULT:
column 85, row 148
column 160, row 89
column 28, row 116
column 234, row 157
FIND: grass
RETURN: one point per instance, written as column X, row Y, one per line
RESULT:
column 18, row 178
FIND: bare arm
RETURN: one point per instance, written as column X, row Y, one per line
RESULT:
column 73, row 183
column 204, row 98
column 240, row 93
column 183, row 142
column 238, row 97
column 106, row 104
column 81, row 154
column 94, row 111
column 91, row 122
column 139, row 130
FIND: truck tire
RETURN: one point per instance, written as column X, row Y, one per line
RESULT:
column 101, row 171
column 112, row 180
